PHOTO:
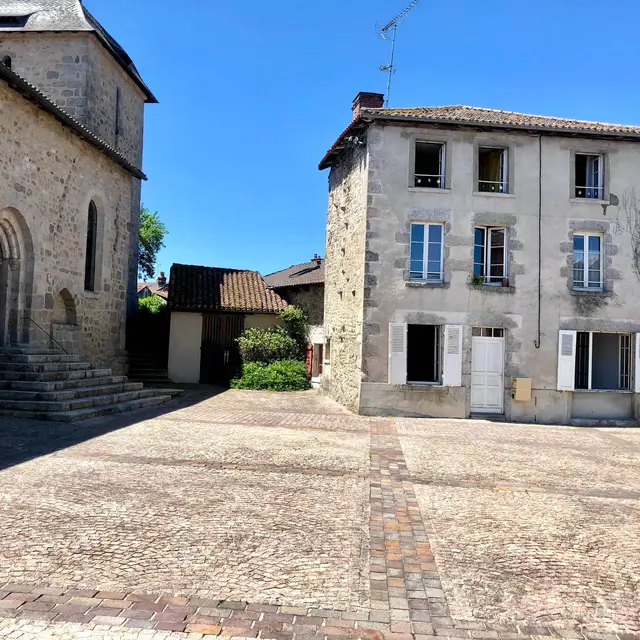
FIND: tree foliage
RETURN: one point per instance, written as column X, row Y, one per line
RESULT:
column 267, row 345
column 151, row 304
column 151, row 240
column 296, row 324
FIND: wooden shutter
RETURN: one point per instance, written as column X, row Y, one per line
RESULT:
column 567, row 360
column 452, row 369
column 397, row 353
column 637, row 368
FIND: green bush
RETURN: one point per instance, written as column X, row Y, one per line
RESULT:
column 151, row 304
column 286, row 375
column 267, row 345
column 296, row 324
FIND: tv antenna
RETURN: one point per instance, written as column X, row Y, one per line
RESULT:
column 390, row 30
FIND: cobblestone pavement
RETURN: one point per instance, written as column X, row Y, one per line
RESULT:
column 285, row 517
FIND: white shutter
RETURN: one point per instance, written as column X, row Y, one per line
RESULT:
column 637, row 369
column 566, row 360
column 397, row 353
column 452, row 370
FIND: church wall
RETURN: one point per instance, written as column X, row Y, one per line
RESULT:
column 48, row 176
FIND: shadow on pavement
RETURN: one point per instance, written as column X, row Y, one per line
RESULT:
column 23, row 440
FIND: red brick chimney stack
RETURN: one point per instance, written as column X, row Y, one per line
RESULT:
column 367, row 100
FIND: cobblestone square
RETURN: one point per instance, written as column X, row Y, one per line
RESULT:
column 285, row 517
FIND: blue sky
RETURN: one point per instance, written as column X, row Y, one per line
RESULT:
column 253, row 93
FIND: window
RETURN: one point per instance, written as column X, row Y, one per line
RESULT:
column 317, row 360
column 490, row 254
column 589, row 176
column 603, row 361
column 487, row 332
column 423, row 354
column 426, row 251
column 587, row 261
column 493, row 170
column 429, row 169
column 90, row 256
column 13, row 22
column 6, row 61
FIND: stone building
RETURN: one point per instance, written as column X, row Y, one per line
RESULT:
column 71, row 134
column 302, row 285
column 483, row 262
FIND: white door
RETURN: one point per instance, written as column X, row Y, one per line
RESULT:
column 487, row 375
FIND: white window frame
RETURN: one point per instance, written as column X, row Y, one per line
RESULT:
column 487, row 254
column 503, row 184
column 424, row 275
column 442, row 176
column 585, row 266
column 630, row 364
column 595, row 177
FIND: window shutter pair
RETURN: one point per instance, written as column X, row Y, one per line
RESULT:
column 567, row 361
column 452, row 360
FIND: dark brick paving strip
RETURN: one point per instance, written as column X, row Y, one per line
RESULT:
column 407, row 599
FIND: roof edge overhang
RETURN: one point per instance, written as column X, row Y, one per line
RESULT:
column 221, row 310
column 368, row 118
column 29, row 92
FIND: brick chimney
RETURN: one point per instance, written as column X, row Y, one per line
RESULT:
column 366, row 99
column 162, row 279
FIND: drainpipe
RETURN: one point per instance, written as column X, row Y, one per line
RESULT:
column 538, row 335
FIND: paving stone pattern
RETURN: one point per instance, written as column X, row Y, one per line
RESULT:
column 282, row 516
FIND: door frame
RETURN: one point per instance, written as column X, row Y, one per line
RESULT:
column 488, row 410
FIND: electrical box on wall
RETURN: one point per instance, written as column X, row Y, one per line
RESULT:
column 522, row 389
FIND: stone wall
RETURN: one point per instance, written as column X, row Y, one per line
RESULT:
column 345, row 276
column 310, row 298
column 49, row 176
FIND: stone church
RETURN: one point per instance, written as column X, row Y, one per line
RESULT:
column 71, row 134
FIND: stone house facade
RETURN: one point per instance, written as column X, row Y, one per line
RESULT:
column 70, row 181
column 483, row 262
column 302, row 285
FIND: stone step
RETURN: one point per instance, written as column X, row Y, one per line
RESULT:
column 69, row 394
column 26, row 350
column 18, row 385
column 46, row 407
column 37, row 367
column 92, row 412
column 37, row 358
column 48, row 376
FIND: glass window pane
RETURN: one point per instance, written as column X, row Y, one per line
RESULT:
column 594, row 244
column 479, row 236
column 417, row 233
column 434, row 269
column 417, row 251
column 578, row 243
column 416, row 269
column 434, row 252
column 497, row 237
column 435, row 233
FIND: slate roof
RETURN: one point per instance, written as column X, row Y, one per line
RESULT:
column 459, row 115
column 195, row 288
column 298, row 274
column 68, row 15
column 34, row 95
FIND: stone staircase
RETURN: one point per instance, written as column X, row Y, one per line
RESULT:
column 144, row 368
column 45, row 384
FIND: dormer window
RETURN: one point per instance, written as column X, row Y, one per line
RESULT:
column 13, row 22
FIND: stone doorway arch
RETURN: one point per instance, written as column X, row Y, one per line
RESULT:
column 16, row 277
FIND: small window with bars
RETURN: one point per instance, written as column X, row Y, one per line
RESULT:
column 493, row 170
column 589, row 176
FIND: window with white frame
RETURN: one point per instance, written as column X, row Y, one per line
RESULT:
column 490, row 254
column 429, row 166
column 589, row 176
column 603, row 361
column 587, row 261
column 493, row 170
column 426, row 251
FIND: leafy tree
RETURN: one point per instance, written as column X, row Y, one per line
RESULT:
column 152, row 233
column 151, row 304
column 267, row 345
column 296, row 324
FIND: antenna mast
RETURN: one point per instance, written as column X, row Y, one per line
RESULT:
column 392, row 28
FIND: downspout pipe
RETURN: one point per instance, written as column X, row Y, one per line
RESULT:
column 539, row 332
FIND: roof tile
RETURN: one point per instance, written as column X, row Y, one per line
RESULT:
column 311, row 272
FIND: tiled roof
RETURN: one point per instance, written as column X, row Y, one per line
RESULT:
column 298, row 274
column 152, row 285
column 34, row 95
column 456, row 115
column 195, row 288
column 68, row 15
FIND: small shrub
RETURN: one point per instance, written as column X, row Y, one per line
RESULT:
column 296, row 324
column 151, row 304
column 286, row 375
column 267, row 345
